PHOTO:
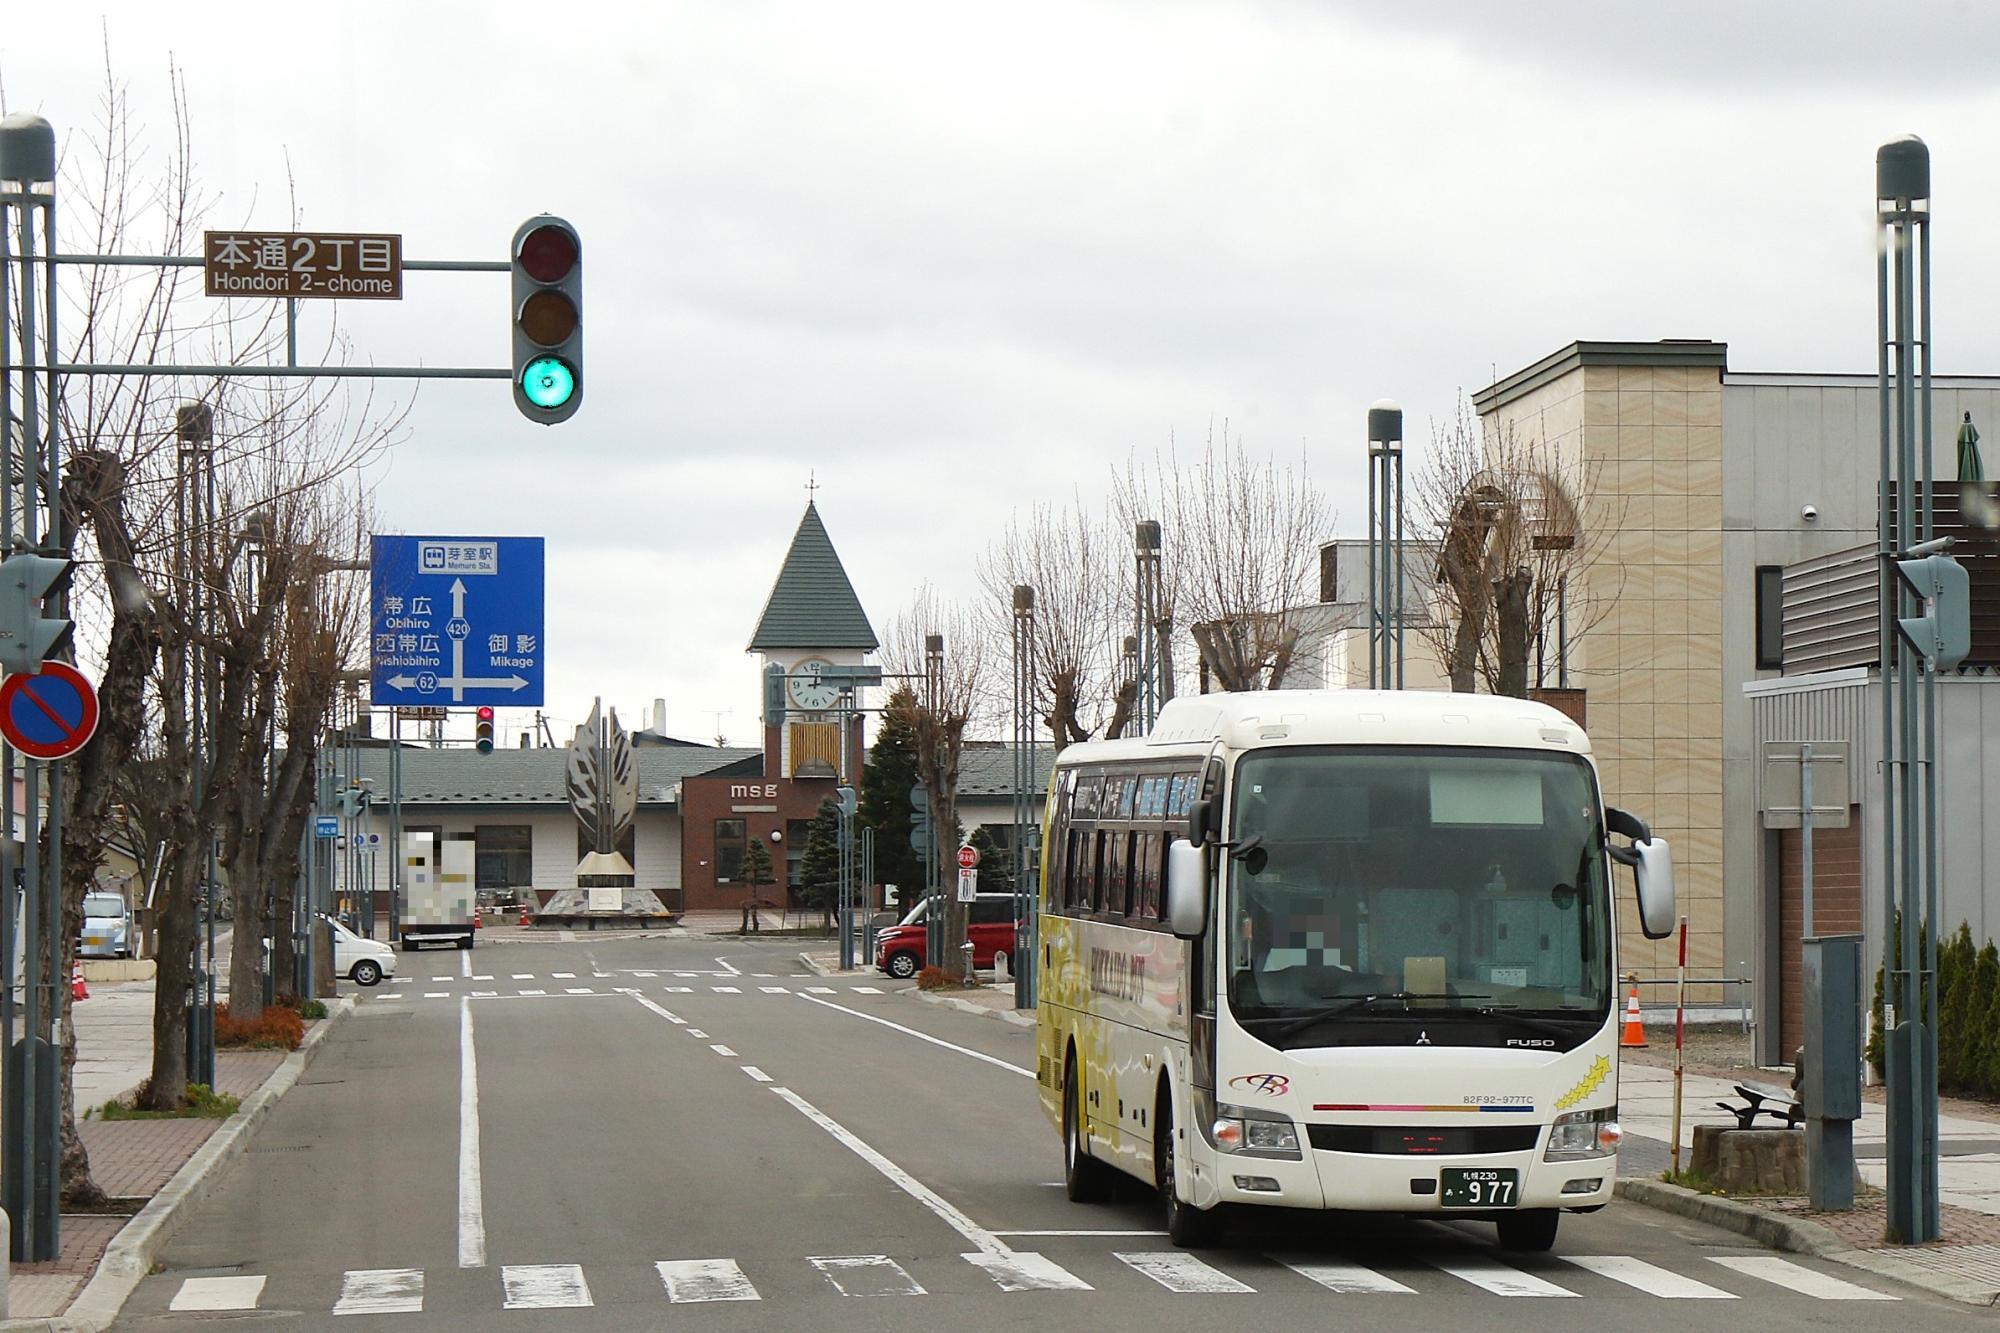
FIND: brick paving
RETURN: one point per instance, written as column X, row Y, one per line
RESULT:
column 41, row 1291
column 1865, row 1228
column 132, row 1159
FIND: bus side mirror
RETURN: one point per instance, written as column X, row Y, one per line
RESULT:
column 1201, row 821
column 1187, row 889
column 1652, row 863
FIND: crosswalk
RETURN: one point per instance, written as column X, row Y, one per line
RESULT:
column 386, row 1291
column 488, row 987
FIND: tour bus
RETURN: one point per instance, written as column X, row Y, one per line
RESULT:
column 1339, row 949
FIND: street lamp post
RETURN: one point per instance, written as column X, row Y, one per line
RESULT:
column 1385, row 546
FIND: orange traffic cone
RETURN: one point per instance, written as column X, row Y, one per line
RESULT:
column 77, row 990
column 1635, row 1032
column 524, row 914
column 478, row 918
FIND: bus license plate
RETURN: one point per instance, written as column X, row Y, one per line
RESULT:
column 1479, row 1187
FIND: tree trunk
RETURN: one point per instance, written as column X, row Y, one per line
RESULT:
column 166, row 1089
column 1510, row 599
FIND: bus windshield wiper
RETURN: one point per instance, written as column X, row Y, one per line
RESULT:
column 1303, row 1022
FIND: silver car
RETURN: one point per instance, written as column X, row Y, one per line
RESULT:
column 107, row 927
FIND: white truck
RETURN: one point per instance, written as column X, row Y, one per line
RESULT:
column 439, row 902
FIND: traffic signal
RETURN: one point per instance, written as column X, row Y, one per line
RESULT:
column 1943, row 634
column 482, row 730
column 920, row 821
column 27, row 637
column 548, row 320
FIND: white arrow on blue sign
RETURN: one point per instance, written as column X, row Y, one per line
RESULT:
column 455, row 621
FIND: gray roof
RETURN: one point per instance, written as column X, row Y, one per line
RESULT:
column 986, row 770
column 812, row 605
column 460, row 776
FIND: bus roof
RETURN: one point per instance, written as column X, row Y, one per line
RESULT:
column 1251, row 719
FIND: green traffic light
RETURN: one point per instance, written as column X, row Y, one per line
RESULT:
column 548, row 381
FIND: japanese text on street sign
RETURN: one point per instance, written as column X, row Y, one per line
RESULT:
column 326, row 826
column 346, row 266
column 968, row 886
column 456, row 621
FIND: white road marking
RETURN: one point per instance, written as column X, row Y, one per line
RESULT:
column 866, row 990
column 724, row 964
column 776, row 990
column 687, row 974
column 1795, row 1277
column 763, row 976
column 484, row 978
column 381, row 1291
column 922, row 1036
column 580, row 990
column 726, row 990
column 720, row 1049
column 655, row 974
column 441, row 978
column 1182, row 1272
column 484, row 994
column 1335, row 1275
column 679, row 990
column 534, row 992
column 1496, row 1277
column 544, row 1287
column 1059, row 1185
column 821, row 990
column 218, row 1293
column 697, row 1034
column 1649, row 1278
column 1019, row 1270
column 705, row 1280
column 522, row 976
column 756, row 1073
column 564, row 976
column 465, row 963
column 866, row 1275
column 399, row 981
column 667, row 1014
column 437, row 995
column 471, row 1199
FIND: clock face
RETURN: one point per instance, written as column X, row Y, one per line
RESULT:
column 812, row 690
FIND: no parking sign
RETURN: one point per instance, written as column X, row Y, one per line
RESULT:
column 48, row 715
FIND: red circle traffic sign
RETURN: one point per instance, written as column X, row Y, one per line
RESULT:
column 50, row 714
column 968, row 857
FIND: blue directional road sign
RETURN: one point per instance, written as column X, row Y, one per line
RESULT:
column 457, row 621
column 326, row 826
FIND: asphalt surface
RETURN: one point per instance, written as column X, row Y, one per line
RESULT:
column 748, row 1146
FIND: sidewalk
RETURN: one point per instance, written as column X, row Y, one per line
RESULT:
column 137, row 1162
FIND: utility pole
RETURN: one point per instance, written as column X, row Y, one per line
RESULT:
column 1025, row 802
column 1385, row 546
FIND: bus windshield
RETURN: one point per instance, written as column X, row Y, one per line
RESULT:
column 1389, row 880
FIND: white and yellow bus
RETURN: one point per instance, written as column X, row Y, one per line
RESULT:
column 1341, row 950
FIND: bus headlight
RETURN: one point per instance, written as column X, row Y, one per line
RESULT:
column 1250, row 1132
column 1584, row 1134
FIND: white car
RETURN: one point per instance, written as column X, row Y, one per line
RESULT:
column 107, row 927
column 364, row 961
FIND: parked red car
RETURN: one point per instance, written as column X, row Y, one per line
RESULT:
column 899, row 949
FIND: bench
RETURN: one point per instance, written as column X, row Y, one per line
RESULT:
column 1763, row 1099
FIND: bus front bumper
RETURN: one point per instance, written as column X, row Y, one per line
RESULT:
column 1368, row 1182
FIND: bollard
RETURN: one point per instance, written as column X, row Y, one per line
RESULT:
column 1830, row 1080
column 966, row 949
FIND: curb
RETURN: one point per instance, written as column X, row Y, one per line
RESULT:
column 129, row 1256
column 1013, row 1016
column 1799, row 1236
column 817, row 968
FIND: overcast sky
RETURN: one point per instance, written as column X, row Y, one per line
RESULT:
column 952, row 260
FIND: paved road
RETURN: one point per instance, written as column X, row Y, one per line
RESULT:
column 627, row 1134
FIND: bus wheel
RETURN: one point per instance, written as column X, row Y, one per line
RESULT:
column 1531, row 1230
column 1085, row 1179
column 1187, row 1226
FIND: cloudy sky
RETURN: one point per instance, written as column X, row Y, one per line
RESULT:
column 951, row 260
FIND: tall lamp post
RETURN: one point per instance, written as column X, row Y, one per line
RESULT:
column 1385, row 546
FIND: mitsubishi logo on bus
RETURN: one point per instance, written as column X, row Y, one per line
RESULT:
column 1423, row 1038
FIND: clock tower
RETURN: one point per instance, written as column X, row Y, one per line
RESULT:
column 812, row 627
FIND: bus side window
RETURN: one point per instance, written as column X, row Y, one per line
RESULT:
column 1146, row 876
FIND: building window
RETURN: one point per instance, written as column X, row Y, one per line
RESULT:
column 502, row 856
column 1770, row 617
column 730, row 844
column 798, row 832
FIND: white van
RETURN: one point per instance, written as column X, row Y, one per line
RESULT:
column 107, row 927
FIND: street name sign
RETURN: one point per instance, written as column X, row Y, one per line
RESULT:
column 334, row 265
column 968, row 886
column 326, row 826
column 49, row 714
column 455, row 621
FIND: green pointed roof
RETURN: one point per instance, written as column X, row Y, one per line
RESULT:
column 812, row 605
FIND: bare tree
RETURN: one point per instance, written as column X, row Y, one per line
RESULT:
column 937, row 643
column 1506, row 514
column 1069, row 556
column 1240, row 554
column 137, row 598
